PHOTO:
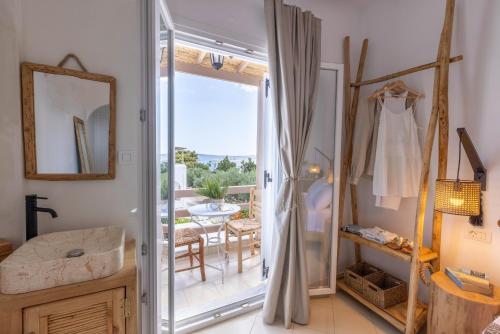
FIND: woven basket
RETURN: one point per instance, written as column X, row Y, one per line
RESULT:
column 384, row 290
column 355, row 274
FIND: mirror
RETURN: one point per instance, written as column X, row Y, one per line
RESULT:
column 68, row 123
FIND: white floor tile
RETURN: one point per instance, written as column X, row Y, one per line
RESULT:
column 338, row 314
column 242, row 324
column 259, row 327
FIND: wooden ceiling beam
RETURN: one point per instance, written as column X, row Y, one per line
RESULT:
column 246, row 79
column 201, row 56
column 242, row 66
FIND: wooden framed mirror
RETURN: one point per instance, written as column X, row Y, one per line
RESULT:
column 68, row 123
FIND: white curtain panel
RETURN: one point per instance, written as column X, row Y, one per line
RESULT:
column 294, row 47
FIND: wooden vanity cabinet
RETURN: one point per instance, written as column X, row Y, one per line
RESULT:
column 103, row 306
column 102, row 312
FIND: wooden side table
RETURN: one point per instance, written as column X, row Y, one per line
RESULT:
column 452, row 310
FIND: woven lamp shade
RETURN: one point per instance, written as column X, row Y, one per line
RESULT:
column 458, row 197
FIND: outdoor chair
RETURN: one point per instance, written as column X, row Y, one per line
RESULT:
column 189, row 237
column 250, row 227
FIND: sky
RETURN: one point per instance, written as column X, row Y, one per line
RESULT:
column 211, row 116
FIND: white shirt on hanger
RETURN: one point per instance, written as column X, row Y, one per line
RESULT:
column 398, row 159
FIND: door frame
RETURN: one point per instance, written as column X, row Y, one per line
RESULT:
column 337, row 159
column 234, row 308
column 150, row 249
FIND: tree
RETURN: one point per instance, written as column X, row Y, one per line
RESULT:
column 164, row 186
column 225, row 164
column 248, row 166
column 163, row 167
column 188, row 158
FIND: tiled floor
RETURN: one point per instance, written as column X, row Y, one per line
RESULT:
column 338, row 314
column 193, row 296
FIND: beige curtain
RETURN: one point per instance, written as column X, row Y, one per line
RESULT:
column 294, row 48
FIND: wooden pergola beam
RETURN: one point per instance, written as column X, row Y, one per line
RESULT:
column 245, row 79
column 200, row 57
column 242, row 66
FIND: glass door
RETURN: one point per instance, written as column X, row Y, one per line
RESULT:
column 319, row 182
column 157, row 118
column 165, row 223
column 268, row 173
column 218, row 161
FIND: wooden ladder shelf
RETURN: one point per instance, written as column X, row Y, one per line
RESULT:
column 410, row 316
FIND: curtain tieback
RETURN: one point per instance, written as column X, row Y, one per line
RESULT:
column 294, row 196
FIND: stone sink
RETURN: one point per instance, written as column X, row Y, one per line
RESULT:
column 43, row 262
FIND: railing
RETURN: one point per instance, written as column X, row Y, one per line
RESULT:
column 233, row 190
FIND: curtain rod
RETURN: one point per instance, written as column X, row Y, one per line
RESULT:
column 404, row 72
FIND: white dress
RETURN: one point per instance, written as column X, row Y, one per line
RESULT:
column 398, row 159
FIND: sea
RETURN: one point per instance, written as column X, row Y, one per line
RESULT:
column 213, row 160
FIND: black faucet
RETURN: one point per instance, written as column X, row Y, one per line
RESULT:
column 32, row 215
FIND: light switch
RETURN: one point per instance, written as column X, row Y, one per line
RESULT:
column 126, row 157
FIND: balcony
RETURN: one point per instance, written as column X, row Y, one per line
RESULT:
column 193, row 295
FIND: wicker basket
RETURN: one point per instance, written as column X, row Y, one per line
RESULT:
column 384, row 290
column 355, row 274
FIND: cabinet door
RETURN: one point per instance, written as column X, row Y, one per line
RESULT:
column 99, row 313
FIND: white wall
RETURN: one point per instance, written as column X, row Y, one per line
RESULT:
column 404, row 34
column 11, row 150
column 105, row 36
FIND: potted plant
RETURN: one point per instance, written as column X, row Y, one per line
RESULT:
column 213, row 189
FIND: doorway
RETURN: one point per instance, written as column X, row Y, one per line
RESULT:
column 172, row 191
column 216, row 189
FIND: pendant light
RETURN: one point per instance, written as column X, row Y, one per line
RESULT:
column 217, row 61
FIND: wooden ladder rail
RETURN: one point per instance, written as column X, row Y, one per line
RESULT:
column 354, row 112
column 350, row 111
column 439, row 110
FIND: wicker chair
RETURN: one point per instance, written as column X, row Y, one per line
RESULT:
column 245, row 227
column 189, row 237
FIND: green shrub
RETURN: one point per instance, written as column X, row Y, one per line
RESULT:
column 213, row 188
column 164, row 186
column 196, row 176
column 181, row 220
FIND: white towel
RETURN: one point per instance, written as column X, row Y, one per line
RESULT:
column 378, row 235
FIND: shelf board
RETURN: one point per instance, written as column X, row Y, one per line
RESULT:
column 395, row 315
column 426, row 254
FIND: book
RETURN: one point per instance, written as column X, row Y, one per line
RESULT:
column 474, row 273
column 470, row 283
column 480, row 282
column 471, row 279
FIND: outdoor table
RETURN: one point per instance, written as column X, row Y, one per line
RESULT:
column 216, row 215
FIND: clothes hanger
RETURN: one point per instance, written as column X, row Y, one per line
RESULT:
column 396, row 87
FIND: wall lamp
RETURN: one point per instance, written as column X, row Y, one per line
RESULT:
column 463, row 197
column 330, row 165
